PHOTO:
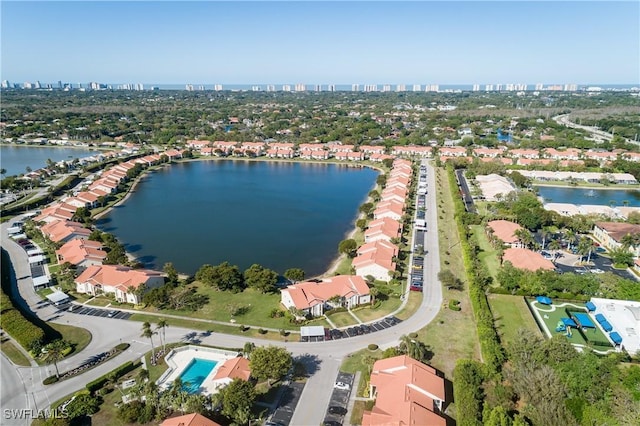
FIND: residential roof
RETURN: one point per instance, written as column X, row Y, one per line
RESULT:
column 310, row 293
column 522, row 258
column 75, row 251
column 407, row 391
column 61, row 229
column 493, row 184
column 617, row 230
column 193, row 419
column 505, row 230
column 116, row 276
column 234, row 368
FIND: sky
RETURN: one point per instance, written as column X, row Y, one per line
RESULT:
column 241, row 42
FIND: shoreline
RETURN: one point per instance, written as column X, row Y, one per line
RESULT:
column 333, row 265
column 614, row 187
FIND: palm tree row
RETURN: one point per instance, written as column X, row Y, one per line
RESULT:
column 148, row 332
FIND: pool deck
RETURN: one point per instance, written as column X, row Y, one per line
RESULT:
column 179, row 358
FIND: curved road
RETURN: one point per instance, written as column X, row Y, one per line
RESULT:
column 22, row 386
column 563, row 119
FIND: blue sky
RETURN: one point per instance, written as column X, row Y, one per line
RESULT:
column 431, row 42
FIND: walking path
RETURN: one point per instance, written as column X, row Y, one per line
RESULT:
column 354, row 316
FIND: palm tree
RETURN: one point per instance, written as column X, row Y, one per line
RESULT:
column 147, row 332
column 525, row 236
column 162, row 325
column 571, row 237
column 585, row 245
column 54, row 352
column 554, row 245
column 545, row 232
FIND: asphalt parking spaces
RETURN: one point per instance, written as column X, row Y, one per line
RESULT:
column 337, row 409
column 358, row 330
column 87, row 310
column 288, row 403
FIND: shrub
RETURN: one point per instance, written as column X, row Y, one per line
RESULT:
column 376, row 304
column 372, row 347
column 262, row 331
column 413, row 335
column 454, row 305
column 98, row 383
column 467, row 392
column 49, row 380
column 122, row 347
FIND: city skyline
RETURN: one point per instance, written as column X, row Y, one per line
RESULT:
column 322, row 42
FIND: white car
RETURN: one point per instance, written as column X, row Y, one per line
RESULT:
column 597, row 271
column 342, row 385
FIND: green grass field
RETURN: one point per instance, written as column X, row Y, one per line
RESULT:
column 342, row 319
column 13, row 353
column 489, row 254
column 511, row 315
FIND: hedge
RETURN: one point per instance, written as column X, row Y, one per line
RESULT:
column 113, row 375
column 478, row 278
column 467, row 392
column 27, row 334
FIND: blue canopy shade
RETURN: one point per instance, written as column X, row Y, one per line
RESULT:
column 584, row 320
column 606, row 326
column 568, row 322
column 615, row 337
column 543, row 299
column 590, row 306
column 600, row 318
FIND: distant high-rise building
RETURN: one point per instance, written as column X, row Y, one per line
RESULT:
column 432, row 88
column 331, row 88
column 38, row 85
column 318, row 88
column 271, row 88
column 355, row 87
column 476, row 88
column 499, row 87
column 189, row 87
column 386, row 88
column 217, row 87
column 59, row 84
column 488, row 87
column 417, row 87
column 256, row 88
column 139, row 86
column 300, row 87
column 570, row 87
column 5, row 84
column 370, row 87
column 401, row 88
column 286, row 87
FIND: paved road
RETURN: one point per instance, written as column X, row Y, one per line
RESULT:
column 323, row 359
column 564, row 120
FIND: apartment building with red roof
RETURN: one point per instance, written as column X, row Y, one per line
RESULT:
column 611, row 234
column 382, row 229
column 81, row 253
column 313, row 297
column 193, row 419
column 121, row 281
column 506, row 231
column 376, row 259
column 234, row 368
column 392, row 209
column 62, row 231
column 406, row 392
column 526, row 259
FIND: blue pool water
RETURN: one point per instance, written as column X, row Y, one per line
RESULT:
column 195, row 373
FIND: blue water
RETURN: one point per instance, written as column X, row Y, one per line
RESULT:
column 195, row 373
column 603, row 197
column 16, row 158
column 277, row 214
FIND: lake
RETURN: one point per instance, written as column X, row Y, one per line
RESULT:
column 278, row 214
column 603, row 197
column 16, row 158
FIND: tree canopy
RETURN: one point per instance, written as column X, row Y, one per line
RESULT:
column 270, row 362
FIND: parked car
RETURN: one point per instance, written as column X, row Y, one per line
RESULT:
column 342, row 386
column 112, row 314
column 334, row 409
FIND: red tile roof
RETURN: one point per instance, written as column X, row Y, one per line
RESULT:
column 234, row 368
column 194, row 419
column 527, row 259
column 505, row 230
column 308, row 294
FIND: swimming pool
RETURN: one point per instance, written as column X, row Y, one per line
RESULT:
column 195, row 372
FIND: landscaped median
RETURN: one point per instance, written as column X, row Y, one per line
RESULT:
column 98, row 359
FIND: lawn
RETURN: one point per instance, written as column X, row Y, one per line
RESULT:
column 388, row 306
column 100, row 301
column 489, row 254
column 13, row 353
column 359, row 407
column 342, row 319
column 511, row 315
column 77, row 336
column 415, row 299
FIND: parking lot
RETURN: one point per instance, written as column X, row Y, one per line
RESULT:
column 339, row 401
column 358, row 330
column 88, row 310
column 288, row 403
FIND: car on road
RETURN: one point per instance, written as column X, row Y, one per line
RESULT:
column 597, row 271
column 334, row 409
column 342, row 386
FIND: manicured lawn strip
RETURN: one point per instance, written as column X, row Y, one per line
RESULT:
column 357, row 361
column 511, row 316
column 99, row 301
column 205, row 326
column 77, row 336
column 44, row 292
column 415, row 299
column 14, row 354
column 359, row 408
column 489, row 254
column 344, row 267
column 218, row 309
column 342, row 319
column 367, row 314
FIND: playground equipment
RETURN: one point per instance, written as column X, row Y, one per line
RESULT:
column 560, row 327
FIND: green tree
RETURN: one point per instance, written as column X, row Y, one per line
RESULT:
column 294, row 274
column 621, row 256
column 585, row 248
column 83, row 405
column 366, row 208
column 414, row 349
column 171, row 271
column 270, row 363
column 223, row 276
column 261, row 278
column 348, row 247
column 162, row 325
column 54, row 352
column 148, row 333
column 236, row 400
